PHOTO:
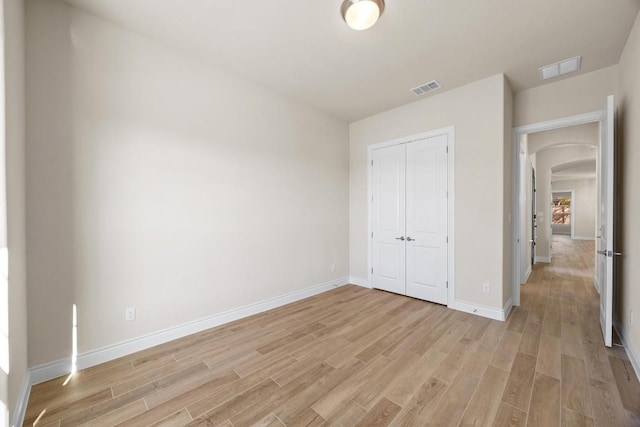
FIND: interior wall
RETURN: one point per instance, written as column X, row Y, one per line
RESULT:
column 627, row 292
column 545, row 160
column 583, row 207
column 508, row 247
column 566, row 97
column 477, row 112
column 158, row 182
column 15, row 175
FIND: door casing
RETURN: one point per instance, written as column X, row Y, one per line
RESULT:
column 518, row 209
column 450, row 133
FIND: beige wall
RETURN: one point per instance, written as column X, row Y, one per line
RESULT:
column 576, row 95
column 477, row 112
column 507, row 221
column 15, row 145
column 583, row 207
column 628, row 291
column 545, row 160
column 158, row 182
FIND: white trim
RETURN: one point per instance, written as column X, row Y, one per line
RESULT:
column 544, row 259
column 633, row 357
column 62, row 367
column 596, row 283
column 507, row 308
column 480, row 310
column 580, row 119
column 17, row 417
column 449, row 131
column 583, row 238
column 359, row 281
column 50, row 370
column 527, row 274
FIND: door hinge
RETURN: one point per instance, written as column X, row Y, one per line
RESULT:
column 447, row 149
column 371, row 162
column 371, row 270
column 372, row 234
column 447, row 239
column 447, row 284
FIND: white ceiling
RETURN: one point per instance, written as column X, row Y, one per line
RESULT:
column 304, row 50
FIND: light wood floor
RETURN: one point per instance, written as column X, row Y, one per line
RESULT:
column 359, row 357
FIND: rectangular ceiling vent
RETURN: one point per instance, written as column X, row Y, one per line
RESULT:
column 425, row 88
column 560, row 68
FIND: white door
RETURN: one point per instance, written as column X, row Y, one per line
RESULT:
column 606, row 248
column 388, row 219
column 426, row 219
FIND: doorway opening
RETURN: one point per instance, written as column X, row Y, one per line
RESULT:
column 546, row 152
column 580, row 169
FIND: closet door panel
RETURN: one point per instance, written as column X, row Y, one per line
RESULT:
column 426, row 219
column 388, row 220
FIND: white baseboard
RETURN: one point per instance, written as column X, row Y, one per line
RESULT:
column 544, row 259
column 583, row 238
column 491, row 313
column 527, row 274
column 48, row 371
column 17, row 417
column 359, row 282
column 507, row 308
column 633, row 357
column 62, row 367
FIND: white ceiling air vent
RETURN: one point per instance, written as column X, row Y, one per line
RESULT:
column 560, row 68
column 425, row 88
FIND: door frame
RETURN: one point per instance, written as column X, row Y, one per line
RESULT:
column 518, row 206
column 572, row 212
column 450, row 133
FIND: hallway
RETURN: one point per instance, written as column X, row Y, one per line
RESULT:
column 591, row 383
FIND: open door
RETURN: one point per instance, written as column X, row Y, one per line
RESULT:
column 534, row 215
column 606, row 248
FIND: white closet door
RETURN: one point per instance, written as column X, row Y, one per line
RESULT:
column 388, row 221
column 426, row 219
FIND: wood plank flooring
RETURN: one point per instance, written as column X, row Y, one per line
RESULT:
column 359, row 357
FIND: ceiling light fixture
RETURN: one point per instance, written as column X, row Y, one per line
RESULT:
column 361, row 14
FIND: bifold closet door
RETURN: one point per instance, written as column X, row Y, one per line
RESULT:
column 388, row 219
column 426, row 219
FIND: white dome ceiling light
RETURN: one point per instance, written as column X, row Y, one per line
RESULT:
column 361, row 14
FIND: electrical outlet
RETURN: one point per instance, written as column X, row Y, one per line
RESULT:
column 486, row 288
column 631, row 317
column 333, row 268
column 130, row 314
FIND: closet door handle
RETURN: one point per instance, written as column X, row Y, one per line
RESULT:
column 400, row 238
column 409, row 239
